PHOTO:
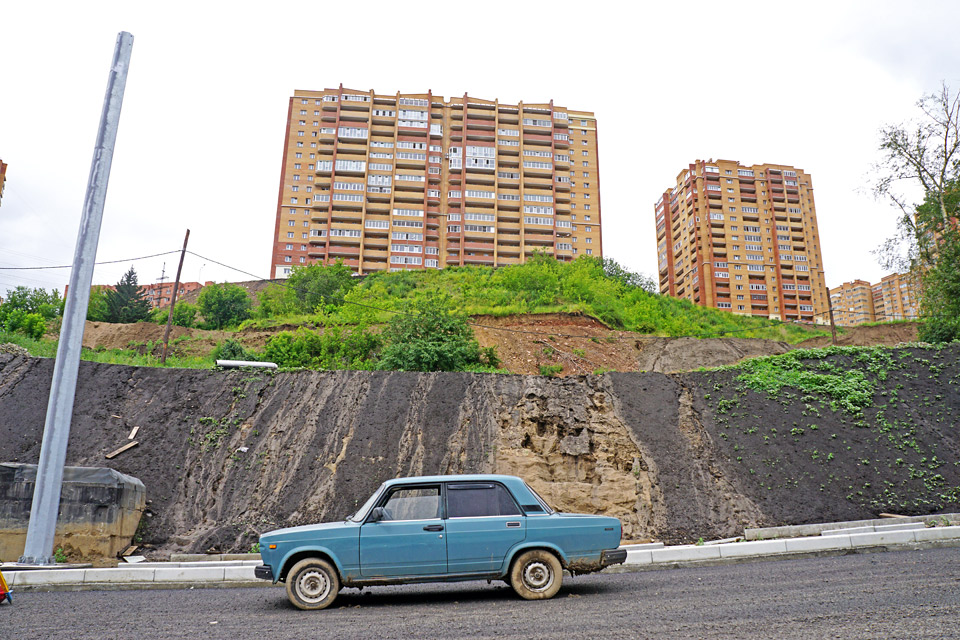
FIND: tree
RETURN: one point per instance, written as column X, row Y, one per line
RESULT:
column 613, row 269
column 429, row 336
column 223, row 305
column 316, row 284
column 126, row 302
column 98, row 310
column 926, row 154
column 39, row 301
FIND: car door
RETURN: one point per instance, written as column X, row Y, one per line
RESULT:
column 483, row 522
column 409, row 540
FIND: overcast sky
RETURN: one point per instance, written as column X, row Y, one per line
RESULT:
column 201, row 133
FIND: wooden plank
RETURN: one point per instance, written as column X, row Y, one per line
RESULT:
column 117, row 452
column 112, row 415
column 133, row 433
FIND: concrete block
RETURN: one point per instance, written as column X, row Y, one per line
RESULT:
column 848, row 531
column 186, row 574
column 253, row 563
column 900, row 526
column 821, row 543
column 147, row 565
column 763, row 547
column 646, row 545
column 937, row 533
column 49, row 576
column 120, row 574
column 240, row 573
column 638, row 556
column 685, row 554
column 891, row 537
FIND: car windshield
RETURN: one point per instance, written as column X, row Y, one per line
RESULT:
column 542, row 502
column 361, row 513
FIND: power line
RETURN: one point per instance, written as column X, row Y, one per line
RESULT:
column 69, row 266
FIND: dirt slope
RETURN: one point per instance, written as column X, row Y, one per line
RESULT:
column 580, row 344
column 676, row 457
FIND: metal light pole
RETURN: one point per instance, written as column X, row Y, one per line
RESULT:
column 56, row 431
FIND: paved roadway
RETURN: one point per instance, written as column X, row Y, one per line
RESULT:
column 904, row 594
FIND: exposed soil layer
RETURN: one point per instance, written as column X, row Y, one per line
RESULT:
column 225, row 455
column 577, row 343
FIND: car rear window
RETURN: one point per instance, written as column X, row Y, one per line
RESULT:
column 475, row 500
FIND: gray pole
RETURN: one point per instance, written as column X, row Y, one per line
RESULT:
column 56, row 431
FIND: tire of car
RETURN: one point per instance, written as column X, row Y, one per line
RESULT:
column 536, row 575
column 312, row 584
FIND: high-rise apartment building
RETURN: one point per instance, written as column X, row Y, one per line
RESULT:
column 412, row 181
column 901, row 297
column 742, row 238
column 3, row 178
column 853, row 303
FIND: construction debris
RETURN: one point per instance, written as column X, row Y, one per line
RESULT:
column 129, row 445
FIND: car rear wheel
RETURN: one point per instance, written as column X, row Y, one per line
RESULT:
column 536, row 575
column 312, row 583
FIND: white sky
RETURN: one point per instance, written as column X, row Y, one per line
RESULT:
column 201, row 134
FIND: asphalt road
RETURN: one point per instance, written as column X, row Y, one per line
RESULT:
column 905, row 594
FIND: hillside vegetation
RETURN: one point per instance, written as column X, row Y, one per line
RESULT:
column 325, row 318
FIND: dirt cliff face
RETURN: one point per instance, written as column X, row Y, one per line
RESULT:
column 227, row 455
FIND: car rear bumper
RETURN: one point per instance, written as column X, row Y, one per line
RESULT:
column 265, row 572
column 613, row 556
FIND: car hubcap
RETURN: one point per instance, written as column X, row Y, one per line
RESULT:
column 313, row 586
column 537, row 576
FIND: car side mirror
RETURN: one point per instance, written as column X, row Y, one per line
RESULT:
column 377, row 514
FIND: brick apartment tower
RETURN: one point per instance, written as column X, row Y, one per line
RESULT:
column 853, row 303
column 412, row 181
column 742, row 238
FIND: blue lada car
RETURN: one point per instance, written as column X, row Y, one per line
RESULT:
column 441, row 529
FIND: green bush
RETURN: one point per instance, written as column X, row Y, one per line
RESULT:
column 31, row 325
column 428, row 336
column 550, row 369
column 232, row 350
column 336, row 348
column 223, row 305
column 184, row 314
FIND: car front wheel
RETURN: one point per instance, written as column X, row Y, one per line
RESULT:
column 312, row 583
column 536, row 575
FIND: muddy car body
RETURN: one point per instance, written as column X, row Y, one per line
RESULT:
column 441, row 529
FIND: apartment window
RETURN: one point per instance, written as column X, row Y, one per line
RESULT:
column 585, row 153
column 300, row 145
column 587, row 207
column 299, row 154
column 589, row 251
column 290, row 233
column 287, row 259
column 589, row 240
column 586, row 164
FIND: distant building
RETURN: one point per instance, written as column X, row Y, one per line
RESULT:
column 160, row 294
column 744, row 239
column 3, row 178
column 415, row 180
column 901, row 296
column 853, row 303
column 878, row 308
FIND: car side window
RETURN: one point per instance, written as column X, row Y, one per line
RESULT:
column 479, row 500
column 422, row 503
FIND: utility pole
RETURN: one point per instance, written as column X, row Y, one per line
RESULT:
column 833, row 327
column 56, row 430
column 173, row 300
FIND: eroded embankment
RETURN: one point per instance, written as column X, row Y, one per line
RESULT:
column 226, row 455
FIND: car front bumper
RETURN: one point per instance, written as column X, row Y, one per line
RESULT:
column 613, row 556
column 265, row 572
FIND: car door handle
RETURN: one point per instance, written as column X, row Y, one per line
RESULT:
column 433, row 527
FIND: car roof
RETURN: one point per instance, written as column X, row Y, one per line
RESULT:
column 455, row 478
